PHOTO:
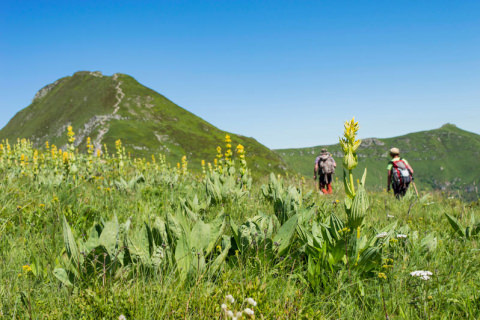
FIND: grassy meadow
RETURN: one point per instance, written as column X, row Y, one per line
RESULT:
column 87, row 236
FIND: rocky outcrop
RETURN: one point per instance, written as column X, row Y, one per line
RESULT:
column 371, row 141
column 45, row 90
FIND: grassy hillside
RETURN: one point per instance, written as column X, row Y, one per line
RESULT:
column 445, row 158
column 106, row 241
column 107, row 108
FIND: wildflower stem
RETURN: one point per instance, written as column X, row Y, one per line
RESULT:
column 383, row 300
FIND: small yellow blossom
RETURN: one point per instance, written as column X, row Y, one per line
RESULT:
column 26, row 268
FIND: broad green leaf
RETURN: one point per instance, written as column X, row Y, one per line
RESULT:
column 62, row 275
column 369, row 259
column 364, row 177
column 457, row 227
column 93, row 239
column 139, row 245
column 218, row 262
column 109, row 237
column 335, row 225
column 358, row 208
column 183, row 256
column 70, row 244
column 285, row 234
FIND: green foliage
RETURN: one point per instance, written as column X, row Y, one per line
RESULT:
column 470, row 231
column 173, row 253
column 286, row 200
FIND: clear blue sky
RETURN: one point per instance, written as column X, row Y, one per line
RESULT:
column 285, row 72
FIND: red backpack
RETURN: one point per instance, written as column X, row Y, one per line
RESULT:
column 401, row 174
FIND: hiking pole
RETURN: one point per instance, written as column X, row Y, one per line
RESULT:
column 415, row 186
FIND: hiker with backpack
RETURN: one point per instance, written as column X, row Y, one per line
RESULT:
column 400, row 174
column 325, row 168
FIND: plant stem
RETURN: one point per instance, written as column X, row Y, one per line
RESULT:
column 384, row 306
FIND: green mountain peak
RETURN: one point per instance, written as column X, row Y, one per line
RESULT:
column 107, row 108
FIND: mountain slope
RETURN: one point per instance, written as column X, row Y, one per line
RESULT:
column 107, row 108
column 444, row 158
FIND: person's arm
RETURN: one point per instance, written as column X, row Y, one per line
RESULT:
column 409, row 167
column 315, row 170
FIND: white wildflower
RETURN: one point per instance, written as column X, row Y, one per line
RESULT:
column 224, row 306
column 401, row 236
column 251, row 301
column 230, row 298
column 382, row 235
column 249, row 311
column 424, row 275
column 238, row 315
column 390, row 216
column 122, row 317
column 230, row 314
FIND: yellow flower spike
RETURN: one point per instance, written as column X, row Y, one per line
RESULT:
column 349, row 145
column 27, row 268
column 70, row 134
column 184, row 164
column 65, row 157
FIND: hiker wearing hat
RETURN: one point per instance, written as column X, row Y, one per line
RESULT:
column 325, row 168
column 400, row 174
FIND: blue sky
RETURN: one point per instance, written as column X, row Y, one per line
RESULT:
column 288, row 73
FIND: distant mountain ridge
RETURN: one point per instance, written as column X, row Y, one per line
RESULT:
column 446, row 158
column 107, row 108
